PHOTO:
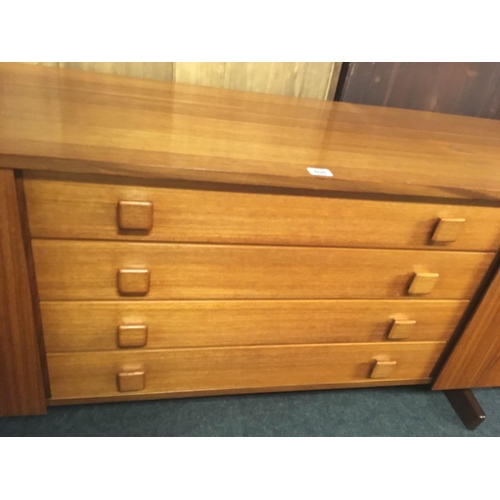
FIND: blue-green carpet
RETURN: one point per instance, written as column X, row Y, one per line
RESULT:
column 394, row 411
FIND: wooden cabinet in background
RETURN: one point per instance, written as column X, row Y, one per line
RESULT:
column 460, row 88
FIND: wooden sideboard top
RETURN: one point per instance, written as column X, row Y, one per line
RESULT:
column 70, row 121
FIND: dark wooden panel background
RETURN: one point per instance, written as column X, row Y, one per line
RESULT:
column 471, row 89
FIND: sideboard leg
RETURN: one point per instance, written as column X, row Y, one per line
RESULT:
column 467, row 407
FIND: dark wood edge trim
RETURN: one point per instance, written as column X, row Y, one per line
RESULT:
column 334, row 81
column 32, row 281
column 344, row 70
column 467, row 407
column 199, row 185
column 333, row 185
column 225, row 392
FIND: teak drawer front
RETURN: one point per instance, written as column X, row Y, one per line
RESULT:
column 81, row 270
column 94, row 374
column 93, row 326
column 88, row 210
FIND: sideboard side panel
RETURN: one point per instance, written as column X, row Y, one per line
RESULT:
column 475, row 360
column 21, row 387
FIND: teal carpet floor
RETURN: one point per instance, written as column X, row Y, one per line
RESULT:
column 395, row 411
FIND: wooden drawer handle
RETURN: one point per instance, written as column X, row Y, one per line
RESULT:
column 401, row 329
column 129, row 381
column 132, row 336
column 422, row 283
column 133, row 281
column 135, row 215
column 447, row 230
column 383, row 369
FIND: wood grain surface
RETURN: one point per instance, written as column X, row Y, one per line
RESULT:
column 92, row 326
column 153, row 70
column 316, row 80
column 80, row 208
column 87, row 270
column 297, row 79
column 475, row 359
column 21, row 386
column 64, row 120
column 210, row 74
column 86, row 375
column 37, row 316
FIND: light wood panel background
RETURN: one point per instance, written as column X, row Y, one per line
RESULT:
column 316, row 80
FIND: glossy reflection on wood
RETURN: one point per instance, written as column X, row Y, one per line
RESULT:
column 114, row 125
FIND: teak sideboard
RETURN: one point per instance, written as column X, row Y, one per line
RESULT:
column 164, row 240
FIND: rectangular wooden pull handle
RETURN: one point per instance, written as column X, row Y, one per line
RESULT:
column 133, row 281
column 129, row 381
column 447, row 230
column 423, row 283
column 130, row 336
column 135, row 215
column 401, row 329
column 383, row 369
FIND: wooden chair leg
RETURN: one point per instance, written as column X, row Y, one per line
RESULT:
column 467, row 407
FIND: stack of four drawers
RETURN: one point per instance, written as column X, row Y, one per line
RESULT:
column 185, row 289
